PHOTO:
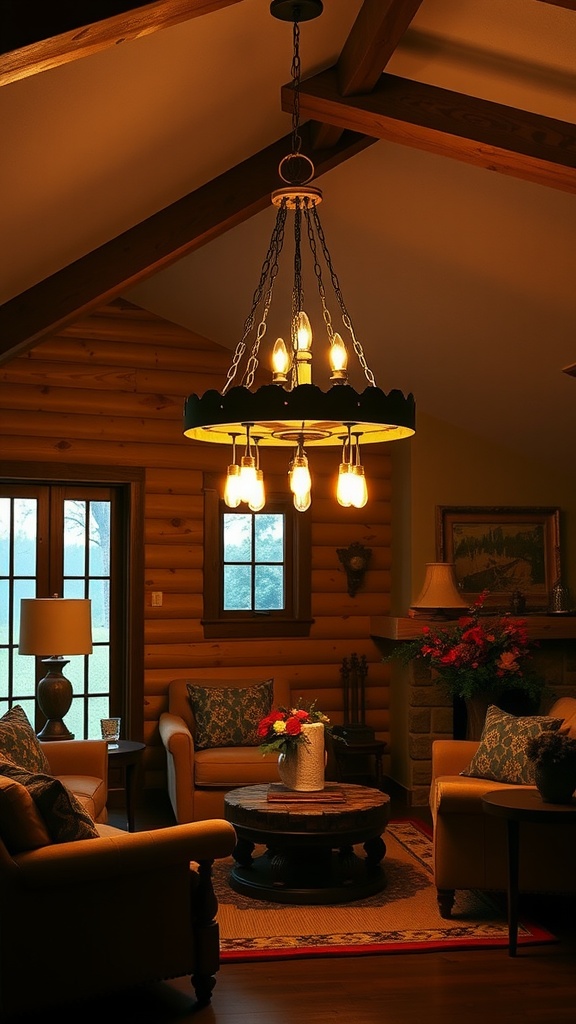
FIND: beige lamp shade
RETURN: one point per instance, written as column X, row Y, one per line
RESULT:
column 55, row 626
column 440, row 589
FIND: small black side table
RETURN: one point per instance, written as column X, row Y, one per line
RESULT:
column 349, row 753
column 126, row 755
column 516, row 805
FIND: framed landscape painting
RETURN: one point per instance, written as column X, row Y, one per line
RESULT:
column 501, row 550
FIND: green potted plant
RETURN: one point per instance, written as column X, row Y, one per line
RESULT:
column 553, row 754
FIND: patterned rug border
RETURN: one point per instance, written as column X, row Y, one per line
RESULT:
column 393, row 942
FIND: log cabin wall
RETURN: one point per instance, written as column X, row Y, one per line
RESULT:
column 109, row 390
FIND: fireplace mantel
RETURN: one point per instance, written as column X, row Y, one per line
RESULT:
column 539, row 627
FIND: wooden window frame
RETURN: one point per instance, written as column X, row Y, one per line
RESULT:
column 295, row 619
column 130, row 483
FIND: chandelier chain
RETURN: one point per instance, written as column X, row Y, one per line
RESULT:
column 345, row 316
column 269, row 269
column 296, row 71
column 318, row 272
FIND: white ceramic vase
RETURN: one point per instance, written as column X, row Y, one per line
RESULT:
column 302, row 768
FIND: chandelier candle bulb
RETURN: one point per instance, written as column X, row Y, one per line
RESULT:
column 280, row 362
column 257, row 498
column 303, row 333
column 338, row 360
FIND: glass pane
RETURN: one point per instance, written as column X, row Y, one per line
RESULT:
column 99, row 550
column 99, row 671
column 99, row 593
column 269, row 537
column 24, row 681
column 73, row 588
column 74, row 671
column 98, row 707
column 22, row 588
column 269, row 580
column 4, row 663
column 25, row 517
column 4, row 536
column 74, row 538
column 237, row 538
column 74, row 720
column 4, row 608
column 237, row 588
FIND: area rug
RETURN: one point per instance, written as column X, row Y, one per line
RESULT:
column 403, row 918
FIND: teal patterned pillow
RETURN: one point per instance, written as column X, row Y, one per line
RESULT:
column 501, row 755
column 64, row 816
column 19, row 742
column 228, row 716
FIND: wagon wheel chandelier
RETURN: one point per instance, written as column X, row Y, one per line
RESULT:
column 292, row 411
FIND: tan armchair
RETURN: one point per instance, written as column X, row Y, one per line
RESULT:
column 470, row 846
column 82, row 765
column 199, row 779
column 88, row 917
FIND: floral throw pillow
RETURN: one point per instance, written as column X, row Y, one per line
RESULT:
column 63, row 815
column 228, row 716
column 19, row 742
column 501, row 755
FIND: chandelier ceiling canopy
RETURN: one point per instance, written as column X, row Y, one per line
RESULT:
column 292, row 411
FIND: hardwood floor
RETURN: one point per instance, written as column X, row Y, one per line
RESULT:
column 475, row 986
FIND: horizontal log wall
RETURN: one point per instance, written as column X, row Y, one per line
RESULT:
column 109, row 390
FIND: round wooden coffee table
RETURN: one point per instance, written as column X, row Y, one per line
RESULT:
column 309, row 841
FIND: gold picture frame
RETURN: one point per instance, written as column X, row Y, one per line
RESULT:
column 501, row 550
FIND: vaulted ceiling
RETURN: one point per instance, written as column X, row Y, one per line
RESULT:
column 140, row 149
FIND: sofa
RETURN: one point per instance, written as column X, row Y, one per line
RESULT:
column 198, row 779
column 89, row 916
column 470, row 846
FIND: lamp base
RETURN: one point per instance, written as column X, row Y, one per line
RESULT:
column 54, row 696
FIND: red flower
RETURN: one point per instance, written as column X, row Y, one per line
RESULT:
column 294, row 726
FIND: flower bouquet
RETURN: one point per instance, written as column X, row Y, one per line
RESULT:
column 477, row 656
column 281, row 731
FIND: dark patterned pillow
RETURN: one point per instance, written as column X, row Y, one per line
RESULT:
column 19, row 742
column 64, row 816
column 228, row 716
column 501, row 755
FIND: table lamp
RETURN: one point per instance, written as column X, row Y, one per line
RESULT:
column 440, row 597
column 47, row 625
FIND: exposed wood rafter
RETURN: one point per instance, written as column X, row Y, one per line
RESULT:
column 570, row 5
column 516, row 142
column 156, row 243
column 34, row 44
column 374, row 36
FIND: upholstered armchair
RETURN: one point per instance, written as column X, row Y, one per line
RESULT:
column 89, row 916
column 198, row 779
column 470, row 846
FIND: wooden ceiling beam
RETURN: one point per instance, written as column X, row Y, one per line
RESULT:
column 515, row 142
column 378, row 29
column 156, row 243
column 570, row 5
column 32, row 43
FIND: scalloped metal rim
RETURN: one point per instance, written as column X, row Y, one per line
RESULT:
column 278, row 417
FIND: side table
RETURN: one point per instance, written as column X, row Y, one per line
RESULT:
column 350, row 754
column 126, row 755
column 516, row 805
